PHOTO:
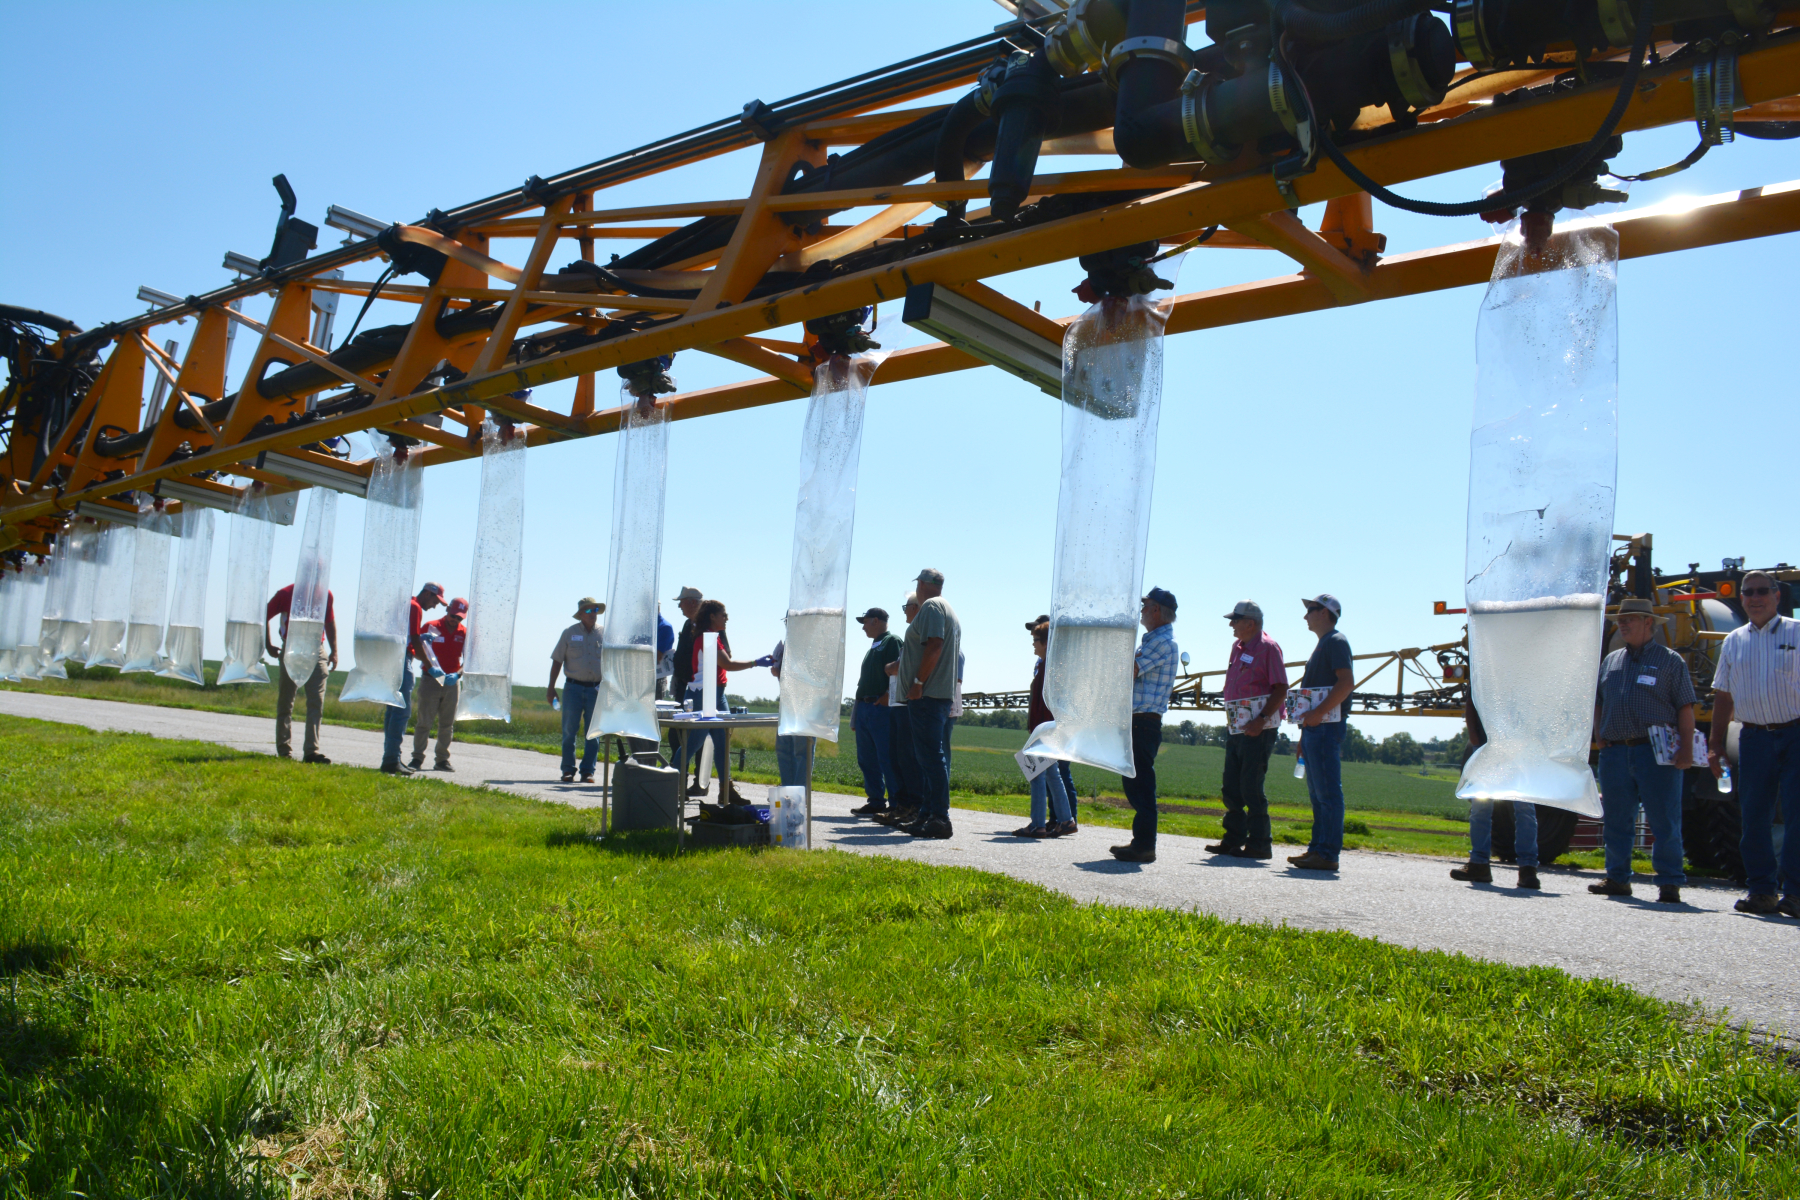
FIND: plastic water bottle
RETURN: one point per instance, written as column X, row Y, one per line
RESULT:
column 1724, row 780
column 1299, row 767
column 556, row 704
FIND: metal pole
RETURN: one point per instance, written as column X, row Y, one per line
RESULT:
column 605, row 786
column 811, row 747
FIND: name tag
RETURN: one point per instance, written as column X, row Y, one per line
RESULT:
column 1247, row 659
column 1649, row 680
column 575, row 637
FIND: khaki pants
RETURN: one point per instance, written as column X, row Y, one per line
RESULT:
column 284, row 709
column 436, row 701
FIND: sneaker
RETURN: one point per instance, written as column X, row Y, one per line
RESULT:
column 1473, row 873
column 1133, row 854
column 1789, row 906
column 1312, row 862
column 1610, row 887
column 317, row 758
column 1064, row 828
column 698, row 789
column 1228, row 849
column 1031, row 831
column 868, row 810
column 899, row 817
column 1762, row 904
column 417, row 764
column 568, row 777
column 914, row 828
column 445, row 766
column 936, row 828
column 1668, row 895
column 393, row 768
column 1528, row 879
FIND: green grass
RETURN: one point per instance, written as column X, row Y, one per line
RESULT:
column 226, row 975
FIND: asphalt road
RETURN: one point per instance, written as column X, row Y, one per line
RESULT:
column 1744, row 967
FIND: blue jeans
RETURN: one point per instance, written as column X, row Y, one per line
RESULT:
column 910, row 793
column 949, row 733
column 930, row 721
column 1146, row 741
column 880, row 784
column 1768, row 779
column 1068, row 778
column 393, row 725
column 578, row 716
column 1049, row 783
column 1322, row 746
column 790, row 761
column 1629, row 776
column 1481, row 832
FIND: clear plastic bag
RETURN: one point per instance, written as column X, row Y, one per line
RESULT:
column 47, row 631
column 28, row 656
column 1112, row 398
column 812, row 665
column 390, row 556
column 627, row 702
column 112, row 596
column 1543, row 465
column 82, row 544
column 312, row 587
column 184, row 642
column 485, row 693
column 247, row 588
column 12, row 588
column 787, row 814
column 149, row 591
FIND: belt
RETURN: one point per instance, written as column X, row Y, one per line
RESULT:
column 1146, row 716
column 1772, row 728
column 582, row 682
column 1643, row 741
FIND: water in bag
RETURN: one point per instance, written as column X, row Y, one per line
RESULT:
column 627, row 703
column 184, row 639
column 1543, row 465
column 149, row 590
column 28, row 657
column 486, row 690
column 112, row 596
column 1112, row 399
column 390, row 556
column 247, row 588
column 83, row 546
column 12, row 589
column 312, row 587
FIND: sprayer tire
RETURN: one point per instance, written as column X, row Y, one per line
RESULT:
column 1699, row 795
column 1726, row 824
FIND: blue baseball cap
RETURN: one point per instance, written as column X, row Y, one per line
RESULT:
column 1162, row 596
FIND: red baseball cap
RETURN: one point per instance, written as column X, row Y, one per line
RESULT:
column 459, row 606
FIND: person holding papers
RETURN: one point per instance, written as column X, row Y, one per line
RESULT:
column 1047, row 785
column 1321, row 707
column 1255, row 689
column 1644, row 721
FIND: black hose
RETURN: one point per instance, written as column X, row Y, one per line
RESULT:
column 1504, row 198
column 381, row 281
column 959, row 122
column 1310, row 26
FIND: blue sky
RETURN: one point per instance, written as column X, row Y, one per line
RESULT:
column 1326, row 452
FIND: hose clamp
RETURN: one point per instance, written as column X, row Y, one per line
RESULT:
column 1415, row 89
column 1280, row 101
column 1716, row 96
column 1162, row 49
column 1194, row 125
column 1471, row 37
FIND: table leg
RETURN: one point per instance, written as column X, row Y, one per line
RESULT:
column 811, row 747
column 725, row 770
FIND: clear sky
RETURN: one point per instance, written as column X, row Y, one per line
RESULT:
column 1326, row 452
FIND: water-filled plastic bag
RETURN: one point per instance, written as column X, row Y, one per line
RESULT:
column 112, row 596
column 787, row 813
column 312, row 587
column 28, row 657
column 1543, row 464
column 149, row 590
column 812, row 665
column 247, row 588
column 627, row 701
column 184, row 640
column 390, row 555
column 1112, row 398
column 12, row 589
column 486, row 690
column 82, row 544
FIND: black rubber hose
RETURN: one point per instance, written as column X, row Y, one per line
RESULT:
column 32, row 316
column 959, row 123
column 1146, row 125
column 1769, row 131
column 1309, row 26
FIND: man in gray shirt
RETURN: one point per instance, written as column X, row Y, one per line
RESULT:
column 578, row 652
column 927, row 675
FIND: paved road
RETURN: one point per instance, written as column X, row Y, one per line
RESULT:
column 1700, row 951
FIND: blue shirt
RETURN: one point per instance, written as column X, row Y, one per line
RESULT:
column 1157, row 661
column 665, row 635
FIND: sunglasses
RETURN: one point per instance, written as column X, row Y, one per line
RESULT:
column 1313, row 608
column 1759, row 591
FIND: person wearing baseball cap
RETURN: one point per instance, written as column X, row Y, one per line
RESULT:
column 441, row 686
column 1158, row 662
column 393, row 726
column 1255, row 687
column 927, row 674
column 869, row 717
column 688, row 599
column 577, row 652
column 1322, row 733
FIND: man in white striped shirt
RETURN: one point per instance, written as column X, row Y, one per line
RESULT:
column 1758, row 683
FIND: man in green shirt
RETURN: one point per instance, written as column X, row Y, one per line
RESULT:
column 927, row 674
column 869, row 717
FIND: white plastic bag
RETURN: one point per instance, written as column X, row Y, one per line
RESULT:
column 312, row 587
column 112, row 596
column 1543, row 465
column 486, row 690
column 247, row 588
column 787, row 815
column 390, row 555
column 627, row 703
column 149, row 590
column 812, row 666
column 28, row 656
column 1112, row 398
column 184, row 642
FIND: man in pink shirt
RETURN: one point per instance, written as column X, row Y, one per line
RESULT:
column 1255, row 687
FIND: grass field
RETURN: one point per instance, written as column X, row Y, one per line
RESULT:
column 231, row 976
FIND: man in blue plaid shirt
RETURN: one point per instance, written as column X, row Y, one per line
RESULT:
column 1158, row 660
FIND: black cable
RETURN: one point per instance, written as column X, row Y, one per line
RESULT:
column 1504, row 198
column 1694, row 156
column 380, row 281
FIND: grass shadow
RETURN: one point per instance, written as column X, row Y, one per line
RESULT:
column 631, row 843
column 35, row 957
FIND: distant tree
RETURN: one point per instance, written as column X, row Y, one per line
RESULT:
column 999, row 718
column 1400, row 750
column 1357, row 746
column 1284, row 744
column 1452, row 751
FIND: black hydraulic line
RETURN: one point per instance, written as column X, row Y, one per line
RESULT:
column 1693, row 156
column 33, row 316
column 1147, row 122
column 950, row 161
column 1309, row 25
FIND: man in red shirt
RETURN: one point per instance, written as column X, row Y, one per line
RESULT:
column 442, row 644
column 279, row 605
column 1255, row 686
column 393, row 728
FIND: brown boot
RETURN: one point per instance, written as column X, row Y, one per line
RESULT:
column 1610, row 887
column 1473, row 873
